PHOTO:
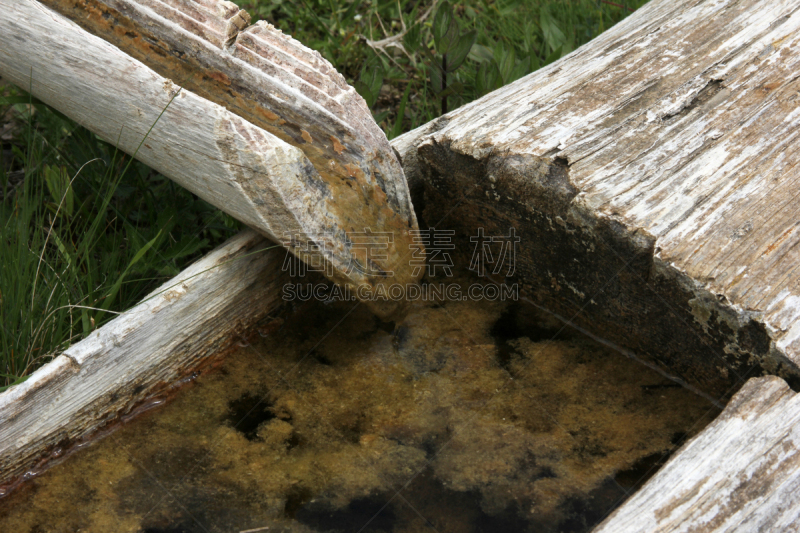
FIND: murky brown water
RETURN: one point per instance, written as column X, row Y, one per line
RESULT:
column 464, row 418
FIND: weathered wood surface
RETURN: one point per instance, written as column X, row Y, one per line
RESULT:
column 191, row 320
column 278, row 84
column 741, row 474
column 652, row 175
column 223, row 157
column 260, row 74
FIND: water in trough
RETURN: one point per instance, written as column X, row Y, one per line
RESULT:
column 466, row 417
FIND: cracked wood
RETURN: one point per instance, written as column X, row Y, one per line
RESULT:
column 654, row 175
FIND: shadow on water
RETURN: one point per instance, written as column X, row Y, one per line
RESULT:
column 248, row 412
column 180, row 528
column 365, row 514
column 520, row 320
column 421, row 503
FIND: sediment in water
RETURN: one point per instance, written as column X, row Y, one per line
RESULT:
column 467, row 416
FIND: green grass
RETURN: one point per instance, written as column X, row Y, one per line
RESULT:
column 86, row 232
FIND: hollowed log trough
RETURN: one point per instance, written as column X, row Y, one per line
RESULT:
column 651, row 176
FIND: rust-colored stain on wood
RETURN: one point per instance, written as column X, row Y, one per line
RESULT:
column 337, row 146
column 771, row 248
column 271, row 116
column 306, row 136
column 220, row 77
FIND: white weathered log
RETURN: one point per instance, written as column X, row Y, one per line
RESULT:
column 652, row 175
column 262, row 75
column 278, row 84
column 740, row 474
column 191, row 320
column 223, row 158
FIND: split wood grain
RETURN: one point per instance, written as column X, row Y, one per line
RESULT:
column 276, row 83
column 741, row 474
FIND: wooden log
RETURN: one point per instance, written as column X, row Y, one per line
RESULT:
column 651, row 175
column 262, row 75
column 316, row 210
column 740, row 474
column 638, row 156
column 190, row 321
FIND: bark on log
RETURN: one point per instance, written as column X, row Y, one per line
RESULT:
column 192, row 320
column 652, row 175
column 355, row 181
column 741, row 474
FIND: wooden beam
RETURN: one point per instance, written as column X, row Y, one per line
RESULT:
column 190, row 321
column 652, row 176
column 194, row 319
column 317, row 210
